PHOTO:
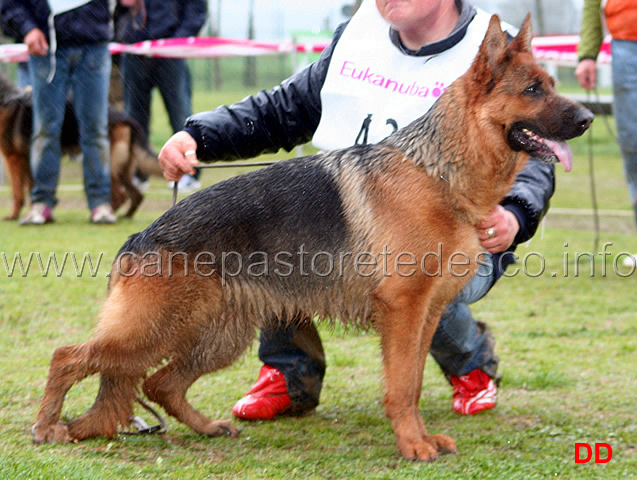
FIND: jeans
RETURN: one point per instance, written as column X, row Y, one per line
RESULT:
column 85, row 70
column 24, row 78
column 624, row 65
column 170, row 75
column 459, row 345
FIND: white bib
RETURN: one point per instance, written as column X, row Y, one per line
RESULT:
column 368, row 75
column 61, row 6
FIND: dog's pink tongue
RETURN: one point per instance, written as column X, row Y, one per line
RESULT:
column 562, row 152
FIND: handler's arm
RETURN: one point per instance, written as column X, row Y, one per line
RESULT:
column 16, row 19
column 530, row 196
column 282, row 117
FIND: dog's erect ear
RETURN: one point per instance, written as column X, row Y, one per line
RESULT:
column 494, row 41
column 522, row 42
column 488, row 63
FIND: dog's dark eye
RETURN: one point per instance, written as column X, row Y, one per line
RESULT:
column 534, row 89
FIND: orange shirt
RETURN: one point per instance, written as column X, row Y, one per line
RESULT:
column 621, row 19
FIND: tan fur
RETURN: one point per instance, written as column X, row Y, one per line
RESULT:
column 127, row 156
column 412, row 195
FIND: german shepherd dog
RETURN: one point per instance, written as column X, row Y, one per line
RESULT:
column 298, row 239
column 129, row 148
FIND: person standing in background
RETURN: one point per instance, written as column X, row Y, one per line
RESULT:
column 67, row 42
column 140, row 20
column 621, row 20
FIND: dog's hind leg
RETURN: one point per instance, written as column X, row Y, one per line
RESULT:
column 136, row 197
column 127, row 342
column 215, row 349
column 123, row 164
column 113, row 407
column 21, row 181
column 168, row 388
column 119, row 135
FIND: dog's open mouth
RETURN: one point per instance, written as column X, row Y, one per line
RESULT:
column 550, row 151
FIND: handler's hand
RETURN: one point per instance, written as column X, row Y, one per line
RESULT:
column 498, row 231
column 586, row 73
column 178, row 156
column 35, row 40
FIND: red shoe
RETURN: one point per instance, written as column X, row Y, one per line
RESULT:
column 473, row 392
column 267, row 398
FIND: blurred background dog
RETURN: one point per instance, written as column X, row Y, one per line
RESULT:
column 130, row 149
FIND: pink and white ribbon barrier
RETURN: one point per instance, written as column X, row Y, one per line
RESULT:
column 561, row 49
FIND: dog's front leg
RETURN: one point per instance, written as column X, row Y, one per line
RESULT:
column 405, row 336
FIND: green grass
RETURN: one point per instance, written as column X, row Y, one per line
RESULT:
column 567, row 346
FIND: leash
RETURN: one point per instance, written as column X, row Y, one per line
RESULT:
column 223, row 165
column 591, row 175
column 613, row 135
column 142, row 427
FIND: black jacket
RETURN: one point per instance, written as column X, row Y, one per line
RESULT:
column 288, row 115
column 88, row 24
column 164, row 19
column 283, row 117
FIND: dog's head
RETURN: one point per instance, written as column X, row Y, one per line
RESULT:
column 521, row 98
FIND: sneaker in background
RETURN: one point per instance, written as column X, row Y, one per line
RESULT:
column 140, row 184
column 186, row 184
column 103, row 214
column 39, row 214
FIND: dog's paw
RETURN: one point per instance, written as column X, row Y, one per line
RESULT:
column 221, row 428
column 427, row 449
column 444, row 444
column 56, row 433
column 422, row 450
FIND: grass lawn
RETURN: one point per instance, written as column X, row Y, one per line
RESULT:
column 566, row 338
